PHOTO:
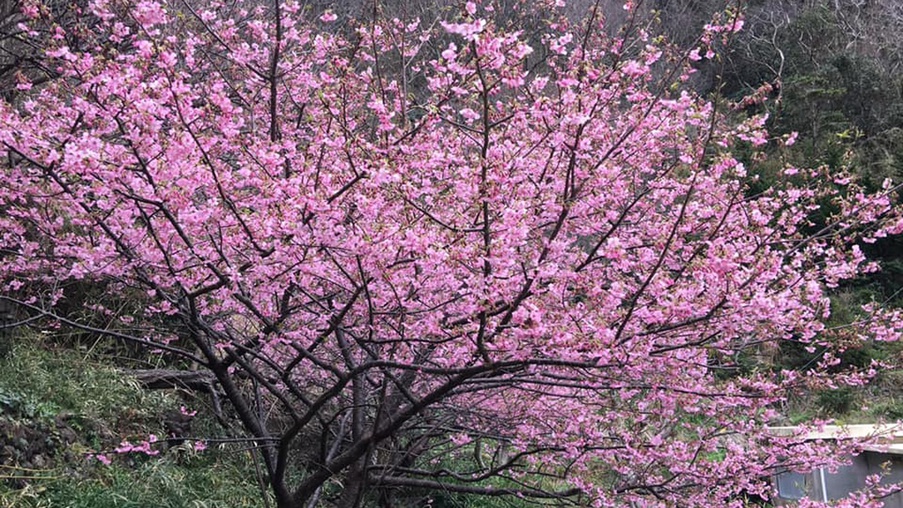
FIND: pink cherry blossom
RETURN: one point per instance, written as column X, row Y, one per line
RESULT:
column 417, row 254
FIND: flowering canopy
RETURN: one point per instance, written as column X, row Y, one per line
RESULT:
column 475, row 256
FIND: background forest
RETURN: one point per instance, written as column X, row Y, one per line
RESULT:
column 826, row 72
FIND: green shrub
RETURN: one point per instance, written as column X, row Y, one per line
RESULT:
column 836, row 402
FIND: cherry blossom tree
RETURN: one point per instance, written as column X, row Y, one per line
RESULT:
column 427, row 254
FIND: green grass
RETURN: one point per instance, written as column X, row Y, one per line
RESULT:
column 166, row 483
column 65, row 405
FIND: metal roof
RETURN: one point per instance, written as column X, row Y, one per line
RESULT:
column 888, row 438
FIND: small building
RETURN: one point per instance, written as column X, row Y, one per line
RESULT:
column 885, row 458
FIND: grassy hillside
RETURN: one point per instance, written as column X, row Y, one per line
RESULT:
column 57, row 406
